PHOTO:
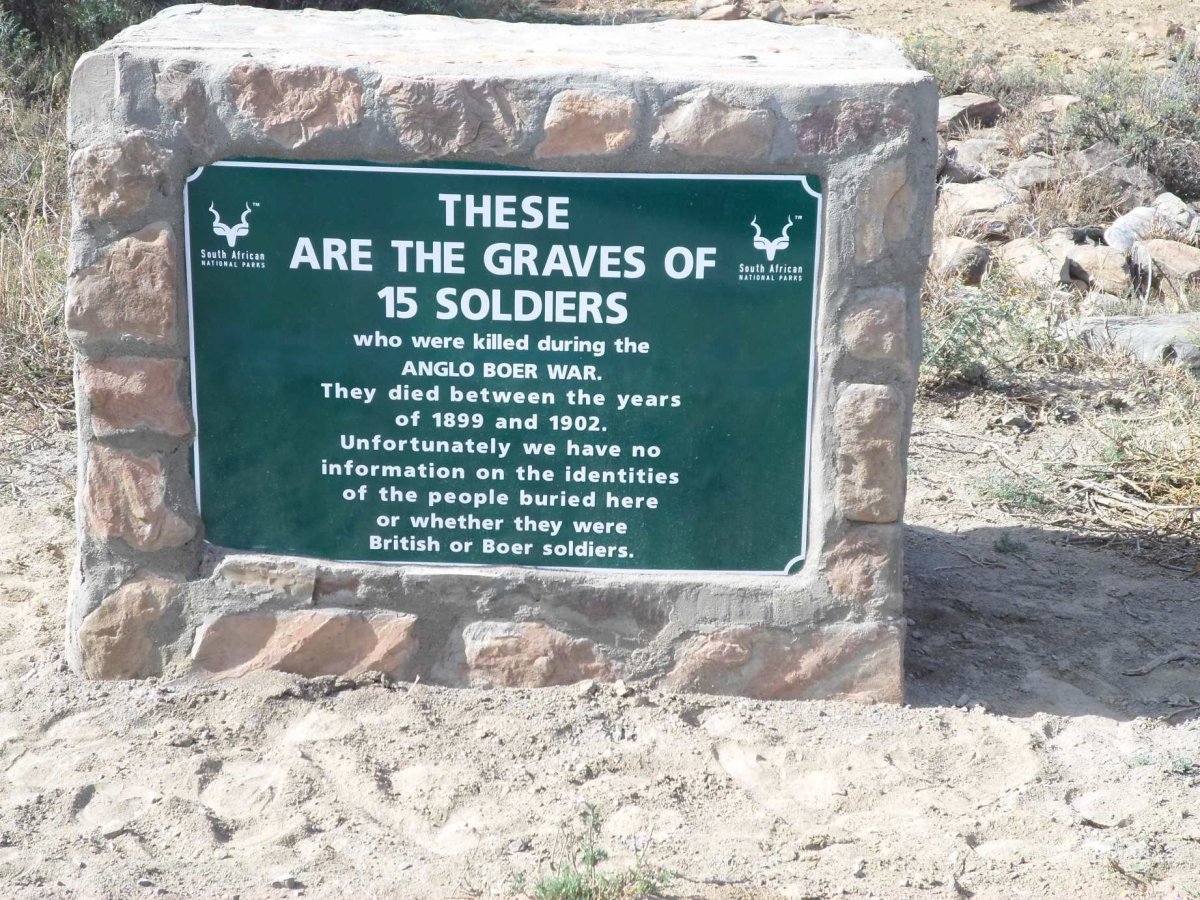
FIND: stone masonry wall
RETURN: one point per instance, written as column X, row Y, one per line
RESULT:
column 196, row 84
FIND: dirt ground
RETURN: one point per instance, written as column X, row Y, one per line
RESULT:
column 1026, row 764
column 1057, row 29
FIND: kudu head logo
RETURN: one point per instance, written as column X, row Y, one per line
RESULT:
column 770, row 247
column 230, row 232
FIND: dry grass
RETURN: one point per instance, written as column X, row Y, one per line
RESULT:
column 1073, row 202
column 998, row 334
column 1132, row 477
column 35, row 359
column 1131, row 480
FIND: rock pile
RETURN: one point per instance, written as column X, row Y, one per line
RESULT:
column 768, row 10
column 993, row 215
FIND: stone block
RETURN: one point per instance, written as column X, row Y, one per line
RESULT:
column 849, row 124
column 870, row 466
column 125, row 497
column 133, row 393
column 1156, row 340
column 989, row 208
column 114, row 638
column 307, row 642
column 1034, row 172
column 1043, row 263
column 291, row 580
column 961, row 258
column 528, row 654
column 586, row 123
column 856, row 566
column 182, row 90
column 702, row 124
column 1101, row 268
column 961, row 111
column 116, row 179
column 130, row 293
column 875, row 326
column 295, row 104
column 435, row 118
column 886, row 210
column 974, row 159
column 1172, row 265
column 847, row 662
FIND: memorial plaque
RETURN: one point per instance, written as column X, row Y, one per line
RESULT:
column 486, row 354
column 451, row 364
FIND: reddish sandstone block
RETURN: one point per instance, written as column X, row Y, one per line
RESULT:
column 585, row 123
column 886, row 209
column 850, row 662
column 834, row 127
column 854, row 567
column 700, row 124
column 870, row 470
column 129, row 393
column 442, row 118
column 130, row 293
column 114, row 639
column 124, row 497
column 875, row 326
column 307, row 642
column 529, row 654
column 295, row 105
column 116, row 179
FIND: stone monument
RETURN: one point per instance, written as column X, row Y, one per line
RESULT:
column 496, row 354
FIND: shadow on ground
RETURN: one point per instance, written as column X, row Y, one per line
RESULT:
column 1024, row 621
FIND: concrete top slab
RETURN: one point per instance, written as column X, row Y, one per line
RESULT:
column 744, row 51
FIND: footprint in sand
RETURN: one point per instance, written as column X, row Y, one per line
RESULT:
column 249, row 799
column 766, row 774
column 111, row 808
column 241, row 790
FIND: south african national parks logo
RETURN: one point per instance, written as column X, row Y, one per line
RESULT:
column 769, row 247
column 231, row 258
column 231, row 233
column 771, row 270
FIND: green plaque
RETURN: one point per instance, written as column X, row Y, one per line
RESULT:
column 494, row 366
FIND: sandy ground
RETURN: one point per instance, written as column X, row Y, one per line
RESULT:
column 1059, row 778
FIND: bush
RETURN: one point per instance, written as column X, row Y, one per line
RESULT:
column 576, row 875
column 76, row 24
column 958, row 68
column 1154, row 117
column 990, row 334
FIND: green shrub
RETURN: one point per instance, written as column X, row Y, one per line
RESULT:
column 990, row 334
column 577, row 876
column 1018, row 493
column 1154, row 117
